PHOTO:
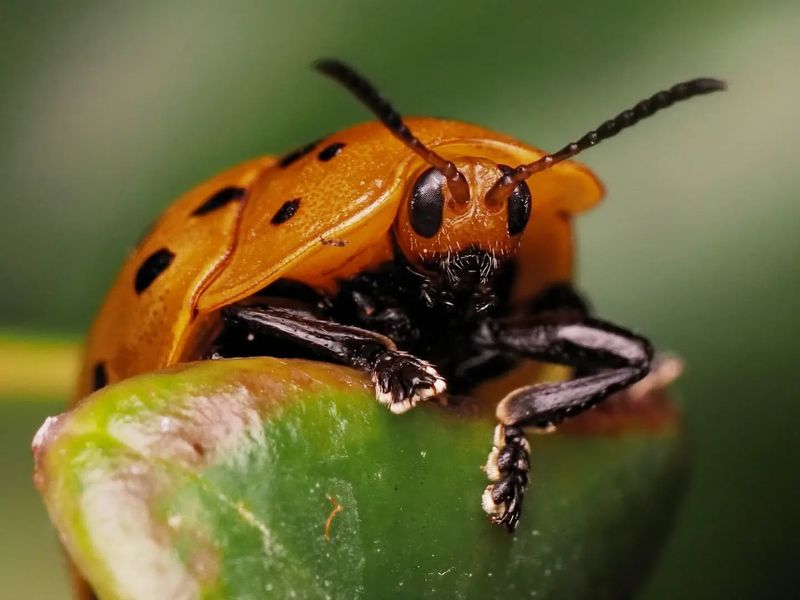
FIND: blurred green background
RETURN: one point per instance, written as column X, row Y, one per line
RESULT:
column 110, row 110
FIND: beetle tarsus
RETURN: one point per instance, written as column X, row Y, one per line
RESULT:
column 507, row 468
column 402, row 380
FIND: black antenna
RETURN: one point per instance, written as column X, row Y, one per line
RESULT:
column 681, row 91
column 380, row 107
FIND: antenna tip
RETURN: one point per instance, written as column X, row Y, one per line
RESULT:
column 328, row 65
column 706, row 85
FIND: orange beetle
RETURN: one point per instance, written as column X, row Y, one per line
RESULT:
column 430, row 259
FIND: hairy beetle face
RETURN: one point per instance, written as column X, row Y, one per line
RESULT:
column 432, row 225
column 465, row 279
column 470, row 269
column 461, row 248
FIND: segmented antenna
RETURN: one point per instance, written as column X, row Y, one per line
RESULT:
column 380, row 107
column 681, row 91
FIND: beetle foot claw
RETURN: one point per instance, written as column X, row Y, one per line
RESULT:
column 507, row 468
column 402, row 380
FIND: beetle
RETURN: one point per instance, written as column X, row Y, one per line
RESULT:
column 430, row 253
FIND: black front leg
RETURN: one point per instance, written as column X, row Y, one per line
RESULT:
column 606, row 358
column 401, row 379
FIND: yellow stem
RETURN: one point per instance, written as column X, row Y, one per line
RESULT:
column 36, row 368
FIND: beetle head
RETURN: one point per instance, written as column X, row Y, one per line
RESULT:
column 433, row 224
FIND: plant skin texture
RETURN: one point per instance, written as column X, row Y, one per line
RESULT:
column 221, row 479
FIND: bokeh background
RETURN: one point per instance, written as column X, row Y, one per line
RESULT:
column 109, row 110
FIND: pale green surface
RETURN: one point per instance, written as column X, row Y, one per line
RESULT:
column 109, row 111
column 216, row 481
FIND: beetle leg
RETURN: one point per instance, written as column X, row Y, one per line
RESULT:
column 607, row 359
column 401, row 379
column 612, row 358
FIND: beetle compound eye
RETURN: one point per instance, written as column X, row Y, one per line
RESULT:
column 519, row 208
column 518, row 205
column 427, row 203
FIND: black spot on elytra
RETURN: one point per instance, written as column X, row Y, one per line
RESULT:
column 330, row 151
column 297, row 154
column 100, row 376
column 220, row 199
column 152, row 267
column 286, row 212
